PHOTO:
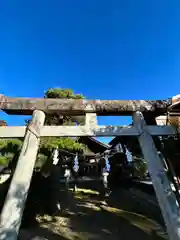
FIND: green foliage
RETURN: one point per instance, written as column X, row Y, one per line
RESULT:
column 62, row 94
column 3, row 160
column 48, row 144
column 8, row 149
column 3, row 143
column 139, row 168
column 10, row 146
column 41, row 159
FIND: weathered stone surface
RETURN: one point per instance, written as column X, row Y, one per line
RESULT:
column 173, row 118
column 26, row 106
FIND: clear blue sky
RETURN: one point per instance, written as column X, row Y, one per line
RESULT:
column 102, row 49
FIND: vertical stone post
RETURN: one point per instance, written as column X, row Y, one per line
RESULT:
column 165, row 195
column 11, row 215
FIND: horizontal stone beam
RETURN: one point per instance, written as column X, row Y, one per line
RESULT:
column 98, row 131
column 26, row 106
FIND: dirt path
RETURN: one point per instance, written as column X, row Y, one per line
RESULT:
column 85, row 216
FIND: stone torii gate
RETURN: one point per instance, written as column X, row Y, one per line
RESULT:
column 11, row 215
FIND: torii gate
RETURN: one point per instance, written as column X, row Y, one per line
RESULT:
column 12, row 211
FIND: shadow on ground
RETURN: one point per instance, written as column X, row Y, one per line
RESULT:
column 87, row 215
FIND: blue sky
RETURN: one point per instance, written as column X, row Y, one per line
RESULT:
column 102, row 49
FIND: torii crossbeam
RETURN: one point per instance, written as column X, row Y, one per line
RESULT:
column 26, row 106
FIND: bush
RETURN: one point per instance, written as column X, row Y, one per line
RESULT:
column 3, row 161
column 139, row 168
column 10, row 146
